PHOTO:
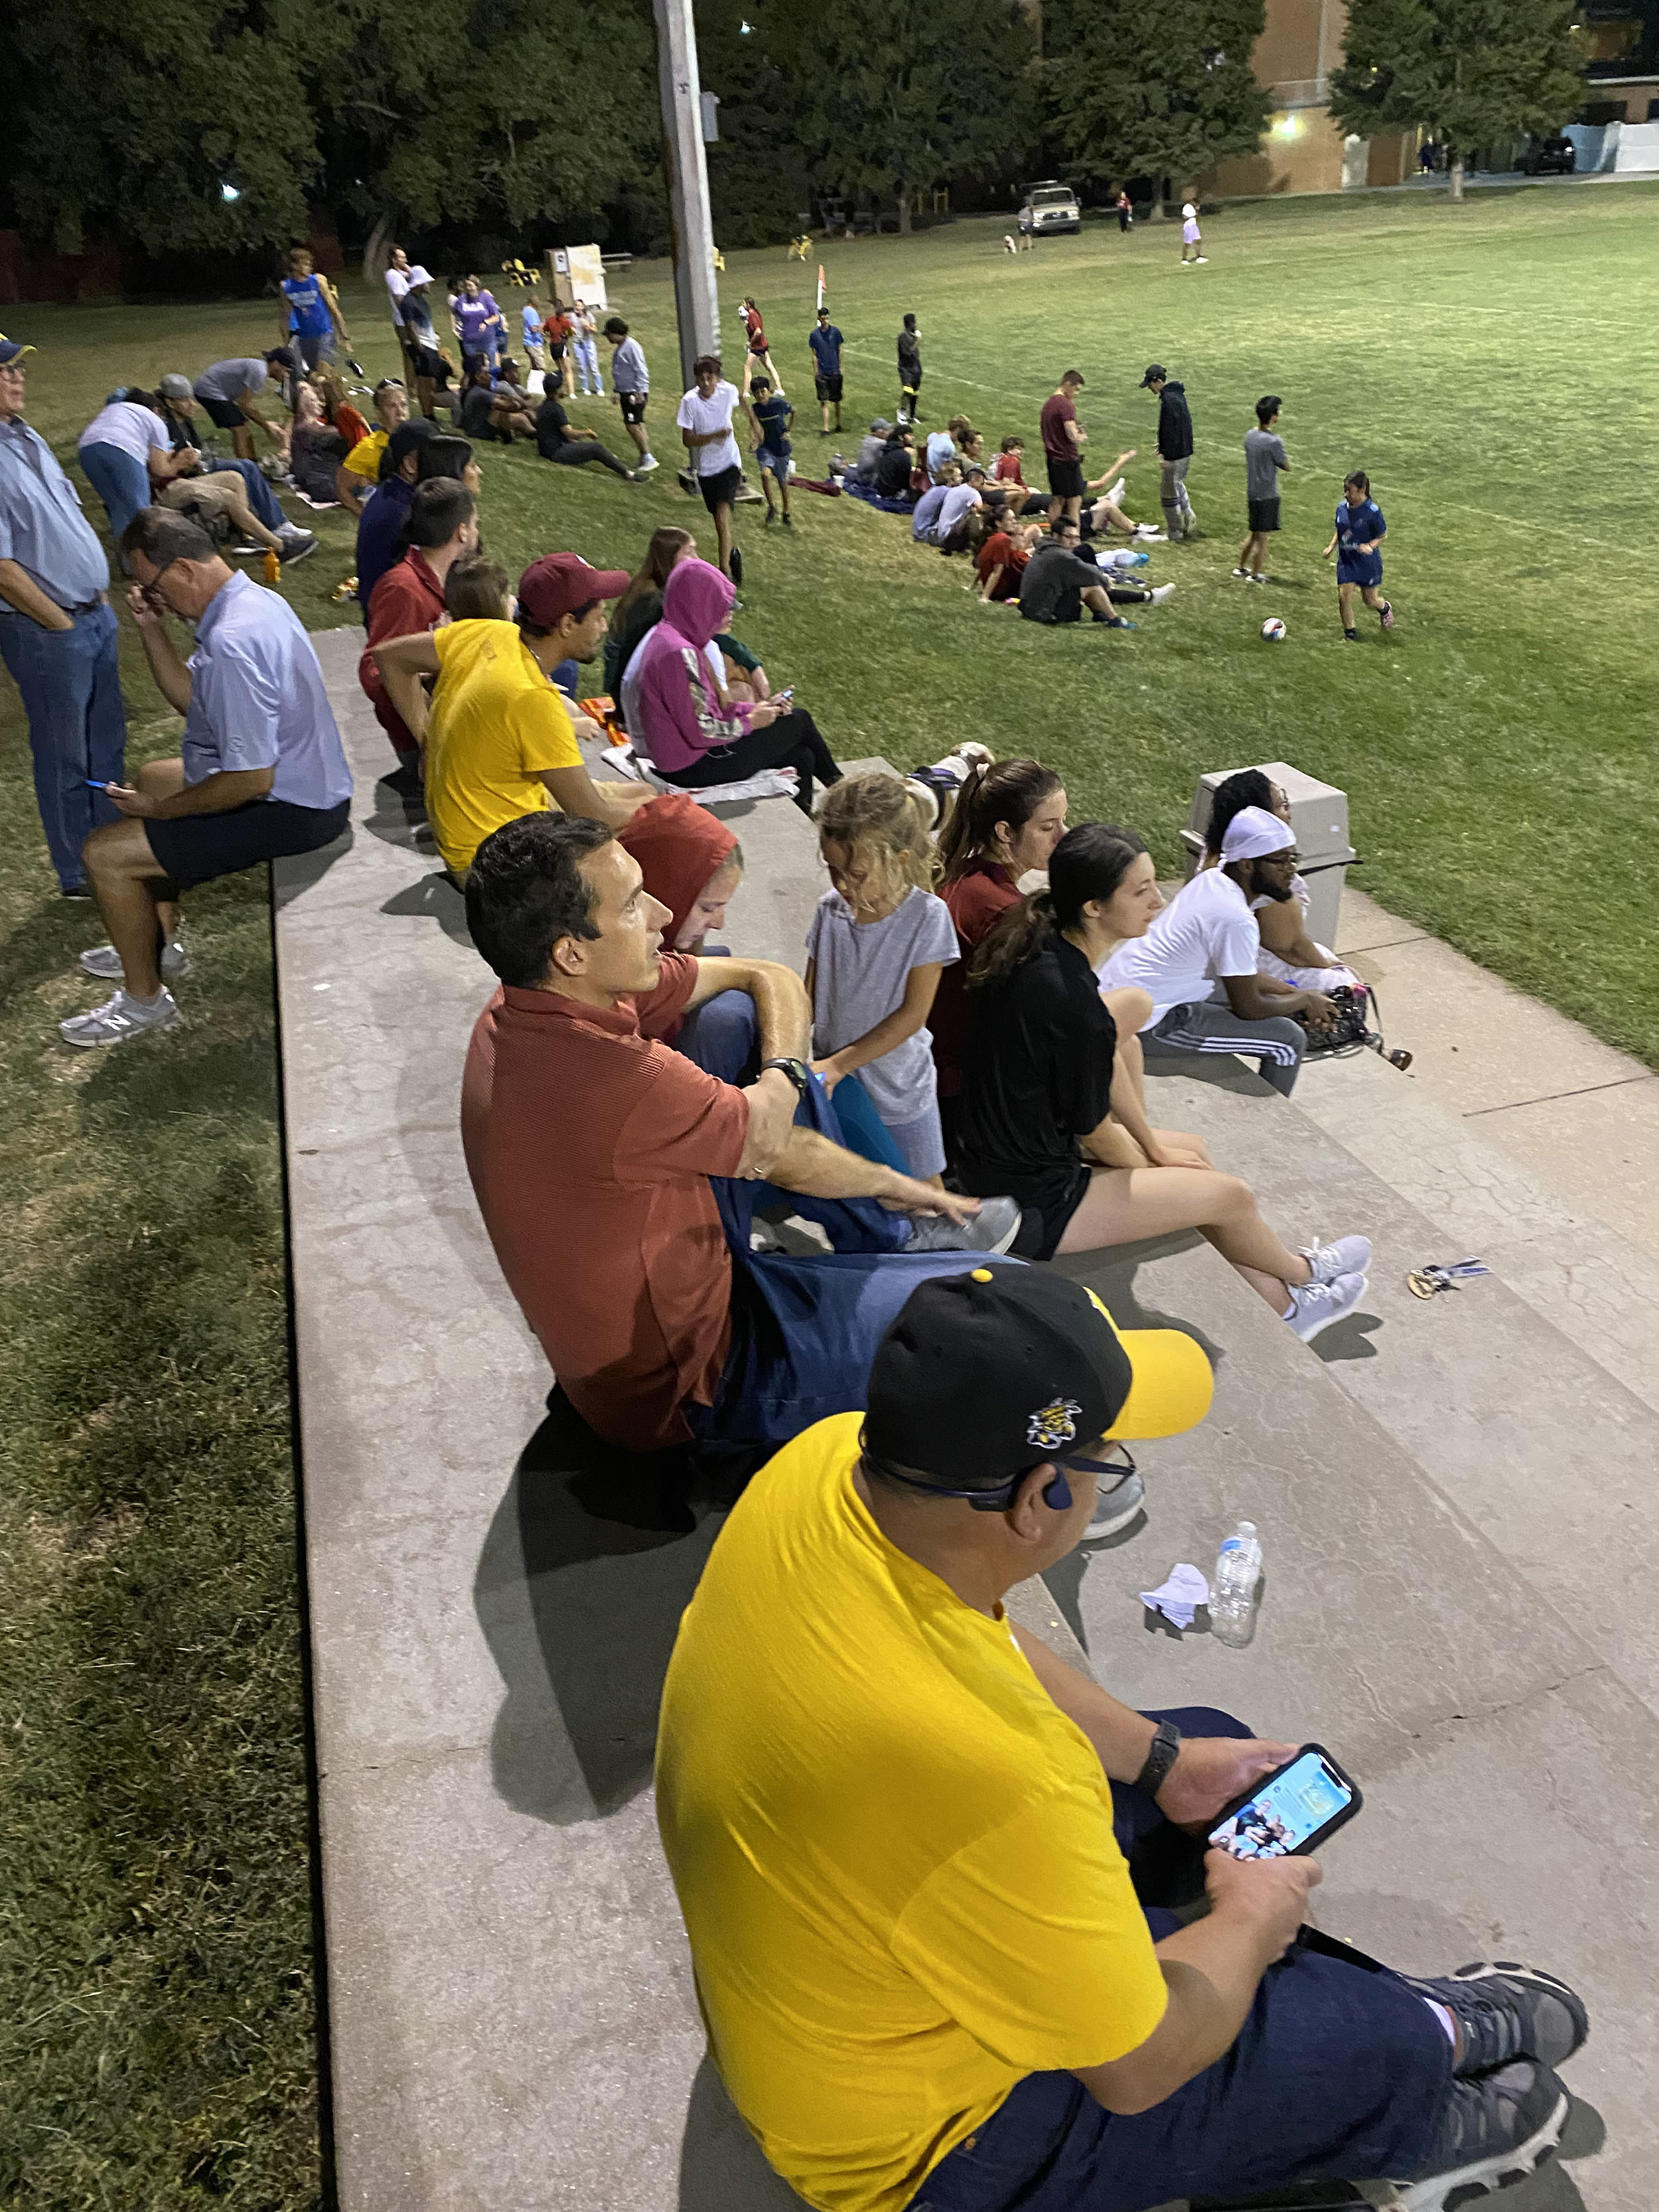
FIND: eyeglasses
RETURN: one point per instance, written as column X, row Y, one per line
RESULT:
column 999, row 1499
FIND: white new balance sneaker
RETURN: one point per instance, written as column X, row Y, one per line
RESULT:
column 105, row 962
column 119, row 1018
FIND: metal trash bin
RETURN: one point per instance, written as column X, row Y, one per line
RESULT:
column 1319, row 817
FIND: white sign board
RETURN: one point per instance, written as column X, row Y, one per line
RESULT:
column 578, row 274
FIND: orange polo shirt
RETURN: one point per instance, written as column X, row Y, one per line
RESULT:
column 590, row 1146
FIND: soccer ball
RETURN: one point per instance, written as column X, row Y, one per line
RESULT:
column 1273, row 631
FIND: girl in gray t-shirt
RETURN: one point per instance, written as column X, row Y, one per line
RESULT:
column 877, row 944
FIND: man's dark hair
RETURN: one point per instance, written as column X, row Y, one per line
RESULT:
column 760, row 384
column 161, row 536
column 1073, row 376
column 476, row 589
column 1267, row 409
column 1064, row 522
column 528, row 628
column 706, row 361
column 526, row 891
column 443, row 457
column 437, row 511
column 615, row 327
column 825, row 311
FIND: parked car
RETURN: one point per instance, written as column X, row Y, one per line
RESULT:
column 1052, row 207
column 1550, row 157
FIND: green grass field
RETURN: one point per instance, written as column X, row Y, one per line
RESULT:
column 1488, row 366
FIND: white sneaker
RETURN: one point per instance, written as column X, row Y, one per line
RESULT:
column 1316, row 1305
column 119, row 1018
column 1148, row 534
column 1116, row 491
column 644, row 467
column 1202, row 261
column 1161, row 593
column 105, row 962
column 1348, row 1255
column 1115, row 1508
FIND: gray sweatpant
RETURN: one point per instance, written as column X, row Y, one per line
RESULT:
column 1276, row 1045
column 1172, row 496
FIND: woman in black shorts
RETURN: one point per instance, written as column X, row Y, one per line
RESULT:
column 1050, row 1111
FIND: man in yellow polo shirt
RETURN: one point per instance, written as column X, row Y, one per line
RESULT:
column 927, row 1868
column 497, row 740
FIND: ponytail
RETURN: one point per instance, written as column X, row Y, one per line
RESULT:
column 1023, row 931
column 1087, row 867
column 1008, row 791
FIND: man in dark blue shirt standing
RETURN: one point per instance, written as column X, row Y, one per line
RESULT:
column 825, row 340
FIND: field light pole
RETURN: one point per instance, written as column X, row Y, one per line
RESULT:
column 697, row 301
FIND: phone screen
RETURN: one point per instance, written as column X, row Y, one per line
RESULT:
column 1286, row 1811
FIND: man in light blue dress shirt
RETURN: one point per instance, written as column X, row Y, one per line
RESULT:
column 263, row 773
column 57, row 633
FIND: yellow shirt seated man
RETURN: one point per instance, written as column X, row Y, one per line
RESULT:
column 496, row 737
column 927, row 1979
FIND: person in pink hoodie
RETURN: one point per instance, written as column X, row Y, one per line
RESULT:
column 677, row 719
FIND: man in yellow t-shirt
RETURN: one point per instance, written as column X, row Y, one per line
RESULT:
column 926, row 1866
column 497, row 740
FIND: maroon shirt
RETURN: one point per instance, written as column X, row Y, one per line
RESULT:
column 1057, row 412
column 408, row 599
column 977, row 901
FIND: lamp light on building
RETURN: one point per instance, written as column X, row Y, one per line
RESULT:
column 1287, row 127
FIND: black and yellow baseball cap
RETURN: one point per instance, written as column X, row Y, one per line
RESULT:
column 986, row 1373
column 12, row 349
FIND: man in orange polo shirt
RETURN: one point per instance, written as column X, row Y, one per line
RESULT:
column 591, row 1146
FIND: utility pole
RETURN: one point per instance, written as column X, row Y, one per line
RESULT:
column 696, row 300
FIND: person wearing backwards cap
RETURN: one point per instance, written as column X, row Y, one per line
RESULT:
column 1200, row 956
column 497, row 738
column 57, row 632
column 930, row 1873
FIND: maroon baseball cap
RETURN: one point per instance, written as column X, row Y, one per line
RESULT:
column 559, row 583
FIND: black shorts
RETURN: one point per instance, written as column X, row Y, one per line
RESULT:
column 1264, row 516
column 194, row 848
column 224, row 414
column 1047, row 1204
column 828, row 387
column 721, row 490
column 1066, row 479
column 633, row 405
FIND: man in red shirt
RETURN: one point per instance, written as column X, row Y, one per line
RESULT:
column 1062, row 447
column 442, row 525
column 591, row 1146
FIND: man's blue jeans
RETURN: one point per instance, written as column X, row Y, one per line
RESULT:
column 804, row 1330
column 1340, row 2073
column 70, row 681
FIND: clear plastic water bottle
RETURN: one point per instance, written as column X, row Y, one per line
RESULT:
column 1232, row 1593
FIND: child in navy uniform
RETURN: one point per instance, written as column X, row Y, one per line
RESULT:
column 1359, row 533
column 771, row 415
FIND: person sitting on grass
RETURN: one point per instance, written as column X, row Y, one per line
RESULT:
column 1003, row 559
column 477, row 405
column 441, row 529
column 1359, row 533
column 585, row 1135
column 359, row 472
column 317, row 453
column 1103, row 513
column 940, row 1885
column 896, row 461
column 676, row 716
column 1061, row 580
column 496, row 737
column 1287, row 954
column 176, row 404
column 337, row 410
column 513, row 411
column 770, row 416
column 1200, row 961
column 556, row 440
column 942, row 508
column 1052, row 1112
column 263, row 774
column 879, row 942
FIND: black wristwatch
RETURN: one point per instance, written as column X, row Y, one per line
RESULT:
column 796, row 1070
column 1164, row 1751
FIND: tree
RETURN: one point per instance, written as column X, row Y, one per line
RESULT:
column 1154, row 91
column 757, row 178
column 899, row 96
column 1473, row 70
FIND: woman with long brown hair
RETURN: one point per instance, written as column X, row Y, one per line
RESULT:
column 1047, row 1117
column 736, row 672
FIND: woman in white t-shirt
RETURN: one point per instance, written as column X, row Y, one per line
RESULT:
column 123, row 449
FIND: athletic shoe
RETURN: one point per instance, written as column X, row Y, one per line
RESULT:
column 1161, row 593
column 993, row 1229
column 249, row 548
column 1116, row 491
column 1148, row 534
column 1387, row 614
column 736, row 566
column 1495, row 2131
column 770, row 518
column 119, row 1018
column 1314, row 1306
column 74, row 891
column 1115, row 1508
column 1508, row 2010
column 1113, row 622
column 789, row 521
column 1348, row 1255
column 1351, row 636
column 1203, row 261
column 645, row 466
column 633, row 476
column 105, row 962
column 296, row 547
column 1257, row 577
column 1243, row 574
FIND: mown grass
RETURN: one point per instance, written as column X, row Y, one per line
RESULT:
column 1486, row 366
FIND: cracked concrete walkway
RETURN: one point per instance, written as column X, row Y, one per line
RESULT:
column 1453, row 1499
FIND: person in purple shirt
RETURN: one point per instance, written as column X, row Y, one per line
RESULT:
column 479, row 323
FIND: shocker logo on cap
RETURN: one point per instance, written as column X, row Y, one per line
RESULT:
column 1054, row 1424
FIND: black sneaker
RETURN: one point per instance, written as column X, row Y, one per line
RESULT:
column 736, row 567
column 1508, row 2010
column 1497, row 2131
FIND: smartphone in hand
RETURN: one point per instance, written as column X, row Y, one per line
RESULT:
column 1291, row 1812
